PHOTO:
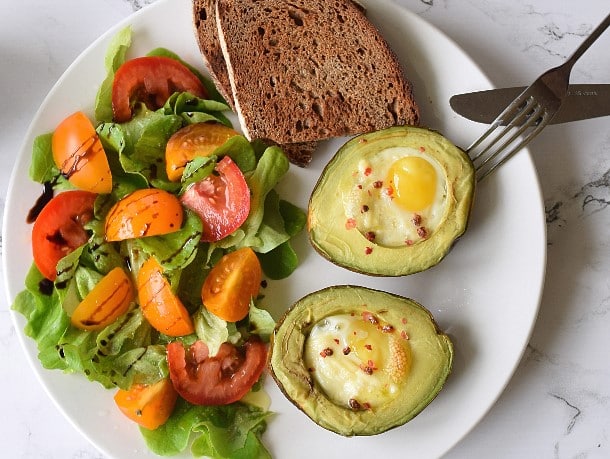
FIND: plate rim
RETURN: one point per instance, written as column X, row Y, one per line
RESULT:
column 18, row 320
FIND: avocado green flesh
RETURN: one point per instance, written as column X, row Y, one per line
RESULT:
column 332, row 237
column 430, row 351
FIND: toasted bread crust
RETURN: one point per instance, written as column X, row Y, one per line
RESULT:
column 307, row 70
column 206, row 32
column 299, row 154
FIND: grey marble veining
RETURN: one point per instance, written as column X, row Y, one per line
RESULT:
column 138, row 4
column 556, row 405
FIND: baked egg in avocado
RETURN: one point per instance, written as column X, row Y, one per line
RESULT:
column 359, row 361
column 392, row 202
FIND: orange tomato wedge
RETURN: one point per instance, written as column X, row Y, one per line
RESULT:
column 197, row 139
column 79, row 154
column 163, row 310
column 146, row 212
column 108, row 300
column 148, row 405
column 231, row 284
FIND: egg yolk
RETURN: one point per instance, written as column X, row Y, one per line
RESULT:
column 413, row 182
column 352, row 359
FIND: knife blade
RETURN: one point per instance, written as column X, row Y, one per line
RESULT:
column 584, row 101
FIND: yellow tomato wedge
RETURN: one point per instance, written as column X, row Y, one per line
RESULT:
column 231, row 284
column 145, row 212
column 163, row 310
column 197, row 139
column 148, row 405
column 79, row 154
column 108, row 300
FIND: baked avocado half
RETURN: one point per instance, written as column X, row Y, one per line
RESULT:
column 359, row 361
column 392, row 202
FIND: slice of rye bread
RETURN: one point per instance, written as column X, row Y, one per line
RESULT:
column 307, row 70
column 206, row 32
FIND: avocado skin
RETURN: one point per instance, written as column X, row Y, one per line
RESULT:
column 431, row 350
column 350, row 249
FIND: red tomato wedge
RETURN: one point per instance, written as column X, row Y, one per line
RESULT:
column 197, row 139
column 59, row 229
column 145, row 212
column 151, row 80
column 222, row 200
column 148, row 405
column 163, row 310
column 79, row 154
column 218, row 380
column 108, row 300
column 231, row 285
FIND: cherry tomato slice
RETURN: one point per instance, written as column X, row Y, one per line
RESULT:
column 222, row 200
column 148, row 405
column 59, row 229
column 197, row 139
column 108, row 300
column 145, row 212
column 163, row 310
column 231, row 284
column 219, row 380
column 79, row 154
column 150, row 79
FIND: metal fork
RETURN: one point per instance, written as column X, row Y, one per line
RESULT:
column 528, row 114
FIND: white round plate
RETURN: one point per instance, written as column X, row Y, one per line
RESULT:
column 485, row 293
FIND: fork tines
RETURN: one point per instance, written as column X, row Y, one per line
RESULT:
column 512, row 129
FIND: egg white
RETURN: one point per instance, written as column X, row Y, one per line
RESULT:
column 370, row 208
column 341, row 373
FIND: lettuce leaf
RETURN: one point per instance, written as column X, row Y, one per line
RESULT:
column 115, row 56
column 280, row 262
column 197, row 169
column 213, row 330
column 294, row 217
column 43, row 168
column 118, row 355
column 140, row 144
column 178, row 249
column 46, row 324
column 271, row 167
column 241, row 152
column 230, row 431
column 193, row 109
column 260, row 322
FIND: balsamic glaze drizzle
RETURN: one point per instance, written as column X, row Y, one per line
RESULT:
column 43, row 200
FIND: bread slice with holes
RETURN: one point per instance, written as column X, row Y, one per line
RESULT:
column 307, row 70
column 206, row 32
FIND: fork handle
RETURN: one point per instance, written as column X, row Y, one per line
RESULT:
column 588, row 42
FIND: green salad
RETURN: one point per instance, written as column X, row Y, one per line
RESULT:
column 167, row 311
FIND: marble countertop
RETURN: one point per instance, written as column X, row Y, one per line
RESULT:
column 556, row 405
